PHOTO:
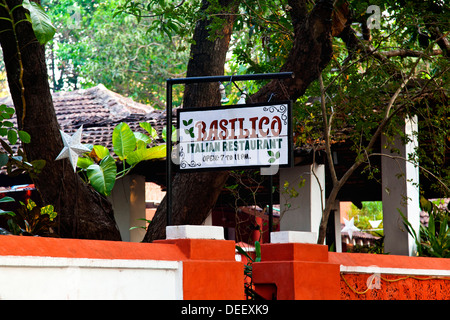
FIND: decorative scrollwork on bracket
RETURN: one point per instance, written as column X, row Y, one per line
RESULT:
column 184, row 163
column 282, row 109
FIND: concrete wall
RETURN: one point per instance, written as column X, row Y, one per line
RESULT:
column 304, row 211
column 400, row 179
column 308, row 271
column 392, row 277
column 195, row 263
column 77, row 278
column 128, row 201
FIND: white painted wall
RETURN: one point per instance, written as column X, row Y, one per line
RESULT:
column 337, row 226
column 305, row 211
column 128, row 201
column 400, row 191
column 80, row 278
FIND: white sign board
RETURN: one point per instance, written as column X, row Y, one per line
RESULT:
column 258, row 135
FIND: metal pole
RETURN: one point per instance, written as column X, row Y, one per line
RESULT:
column 270, row 205
column 169, row 153
column 170, row 82
column 245, row 77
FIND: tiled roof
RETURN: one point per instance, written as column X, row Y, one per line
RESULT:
column 99, row 110
column 359, row 234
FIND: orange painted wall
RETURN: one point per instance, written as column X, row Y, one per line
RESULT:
column 94, row 249
column 394, row 287
column 354, row 286
column 287, row 271
column 296, row 271
column 210, row 270
column 208, row 280
column 308, row 271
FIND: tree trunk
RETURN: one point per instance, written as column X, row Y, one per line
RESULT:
column 194, row 194
column 82, row 212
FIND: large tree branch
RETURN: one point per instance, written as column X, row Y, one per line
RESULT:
column 326, row 130
column 311, row 51
column 436, row 33
column 410, row 53
column 338, row 184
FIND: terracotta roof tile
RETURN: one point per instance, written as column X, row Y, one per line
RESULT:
column 99, row 110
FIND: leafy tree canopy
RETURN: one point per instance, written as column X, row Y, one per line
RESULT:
column 96, row 45
column 133, row 46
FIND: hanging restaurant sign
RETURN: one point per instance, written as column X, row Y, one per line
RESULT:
column 250, row 135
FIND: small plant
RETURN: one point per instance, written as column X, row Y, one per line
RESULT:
column 289, row 192
column 141, row 227
column 99, row 167
column 248, row 270
column 15, row 162
column 434, row 240
column 31, row 219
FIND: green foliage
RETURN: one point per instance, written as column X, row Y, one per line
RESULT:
column 42, row 26
column 143, row 154
column 174, row 134
column 15, row 161
column 142, row 227
column 32, row 220
column 290, row 191
column 170, row 17
column 293, row 192
column 100, row 168
column 102, row 176
column 40, row 21
column 359, row 85
column 434, row 240
column 248, row 269
column 262, row 37
column 123, row 140
column 28, row 219
column 5, row 200
column 7, row 127
column 370, row 211
column 97, row 42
